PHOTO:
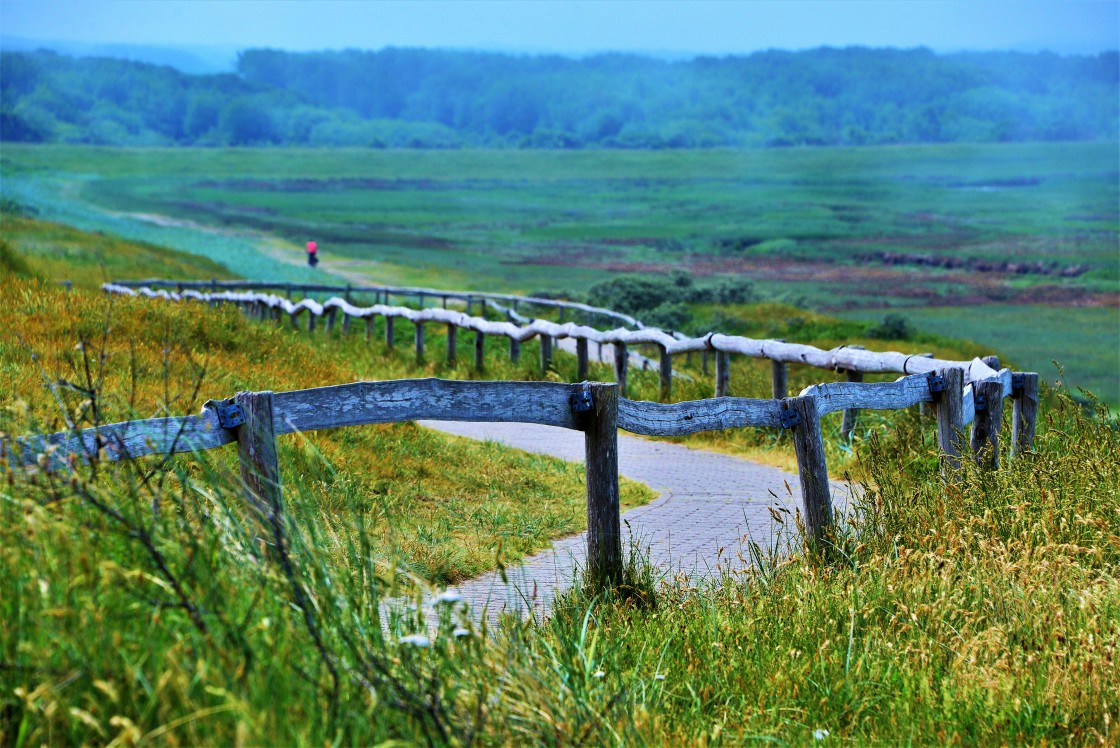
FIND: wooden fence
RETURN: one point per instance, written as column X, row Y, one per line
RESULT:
column 854, row 361
column 254, row 419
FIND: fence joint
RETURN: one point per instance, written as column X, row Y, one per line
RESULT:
column 230, row 415
column 789, row 418
column 936, row 383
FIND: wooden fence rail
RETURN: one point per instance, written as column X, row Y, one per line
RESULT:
column 255, row 419
column 851, row 359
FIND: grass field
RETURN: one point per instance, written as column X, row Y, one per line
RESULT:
column 141, row 606
column 852, row 230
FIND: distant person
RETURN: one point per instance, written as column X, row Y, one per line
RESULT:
column 312, row 254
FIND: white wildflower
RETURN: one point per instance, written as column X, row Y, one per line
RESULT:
column 416, row 640
column 449, row 597
column 659, row 676
column 598, row 674
column 460, row 632
column 820, row 734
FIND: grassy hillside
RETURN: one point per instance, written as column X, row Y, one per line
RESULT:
column 143, row 605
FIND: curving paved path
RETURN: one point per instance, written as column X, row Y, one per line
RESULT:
column 710, row 507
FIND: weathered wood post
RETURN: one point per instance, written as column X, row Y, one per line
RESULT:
column 778, row 377
column 704, row 361
column 723, row 373
column 604, row 527
column 988, row 400
column 444, row 299
column 992, row 361
column 666, row 373
column 812, row 470
column 294, row 317
column 948, row 402
column 256, row 450
column 621, row 364
column 562, row 311
column 311, row 317
column 420, row 300
column 389, row 336
column 1024, row 411
column 479, row 350
column 331, row 314
column 581, row 358
column 546, row 353
column 419, row 335
column 452, row 342
column 371, row 321
column 345, row 324
column 514, row 350
column 470, row 305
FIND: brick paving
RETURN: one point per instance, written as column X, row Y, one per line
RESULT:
column 709, row 508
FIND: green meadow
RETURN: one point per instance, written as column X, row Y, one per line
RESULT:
column 142, row 607
column 937, row 231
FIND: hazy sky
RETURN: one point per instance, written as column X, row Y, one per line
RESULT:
column 700, row 26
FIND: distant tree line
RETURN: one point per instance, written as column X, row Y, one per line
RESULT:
column 444, row 99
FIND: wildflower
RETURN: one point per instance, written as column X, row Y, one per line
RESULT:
column 449, row 597
column 820, row 734
column 416, row 640
column 598, row 674
column 460, row 632
column 659, row 676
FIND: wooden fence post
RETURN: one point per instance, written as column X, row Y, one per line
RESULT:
column 514, row 350
column 581, row 359
column 1024, row 411
column 604, row 530
column 419, row 341
column 848, row 424
column 311, row 321
column 621, row 363
column 479, row 350
column 992, row 361
column 345, row 324
column 389, row 332
column 256, row 450
column 666, row 366
column 704, row 361
column 778, row 377
column 812, row 470
column 988, row 397
column 949, row 409
column 370, row 322
column 331, row 314
column 470, row 305
column 546, row 353
column 723, row 373
column 452, row 342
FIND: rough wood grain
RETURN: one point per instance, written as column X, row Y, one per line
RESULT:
column 547, row 403
column 581, row 359
column 948, row 407
column 1024, row 412
column 256, row 450
column 125, row 440
column 604, row 531
column 723, row 373
column 677, row 419
column 901, row 393
column 389, row 334
column 514, row 350
column 848, row 424
column 986, row 425
column 812, row 469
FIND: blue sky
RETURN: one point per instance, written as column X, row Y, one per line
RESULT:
column 575, row 27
